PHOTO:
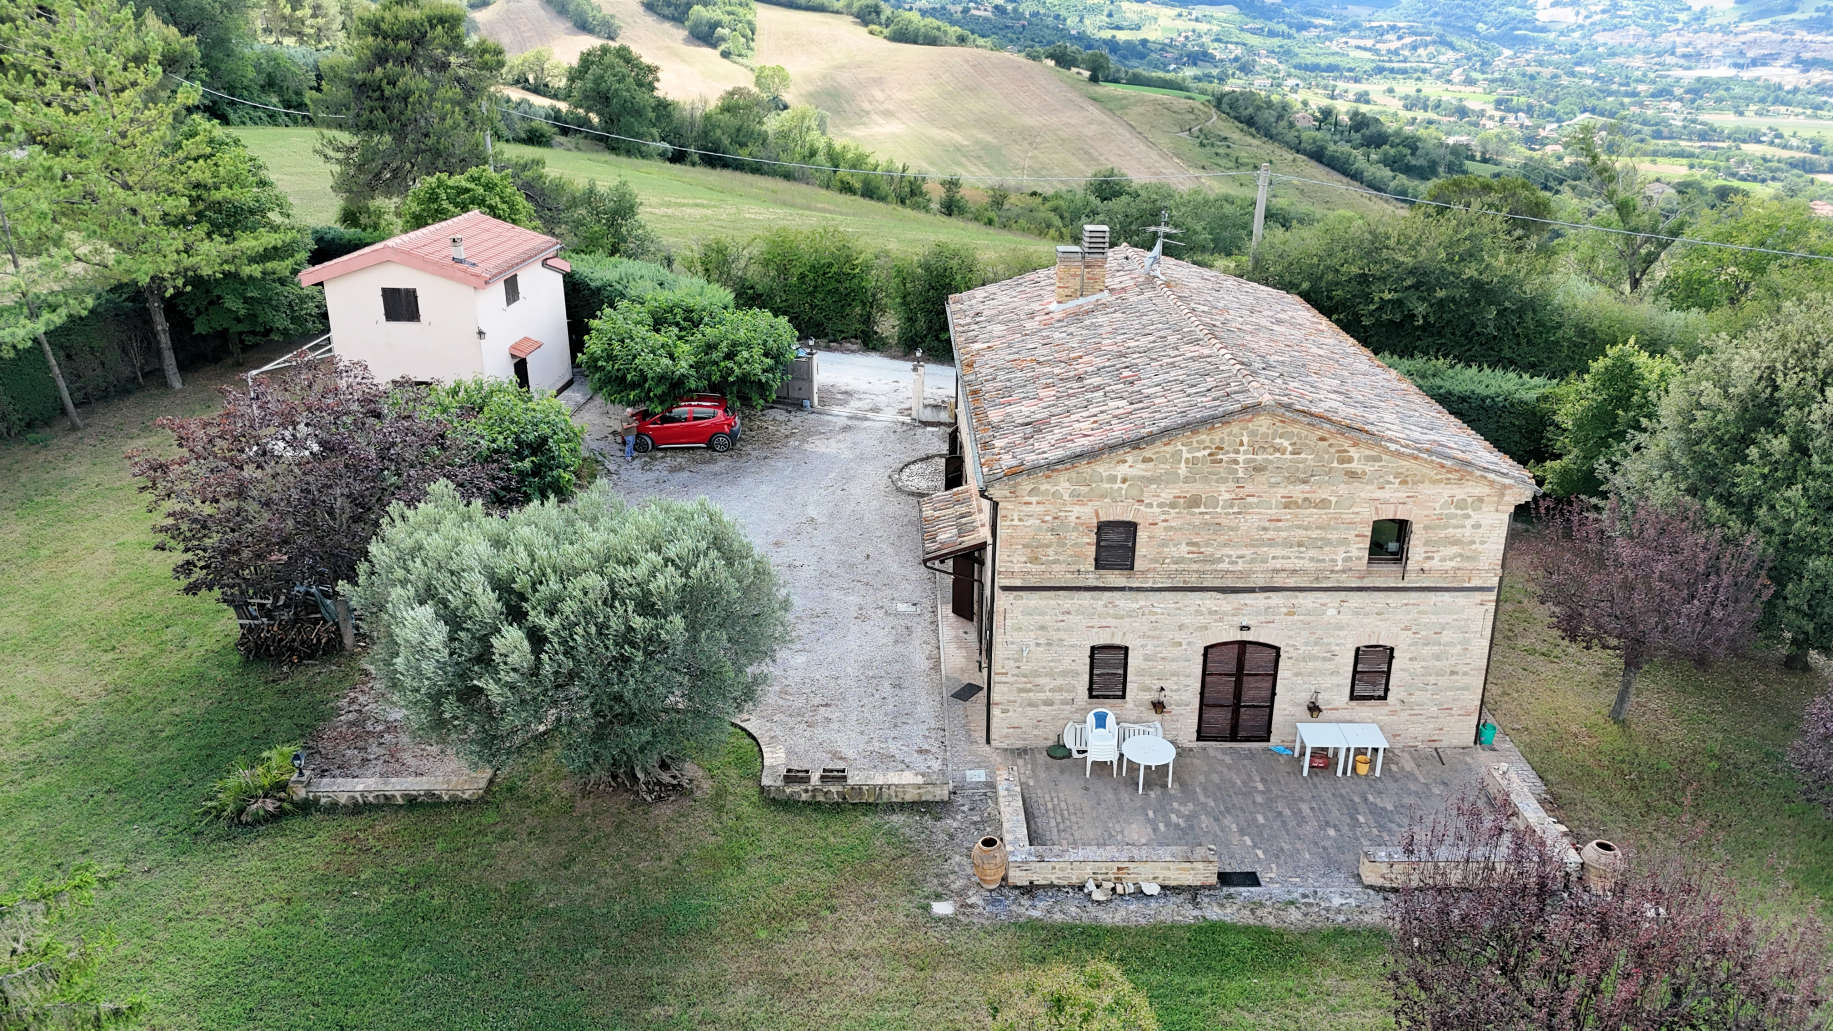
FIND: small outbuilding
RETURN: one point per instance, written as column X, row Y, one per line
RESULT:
column 470, row 296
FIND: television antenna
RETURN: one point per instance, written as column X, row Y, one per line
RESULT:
column 1165, row 230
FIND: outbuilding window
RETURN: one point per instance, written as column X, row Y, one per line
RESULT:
column 400, row 304
column 1387, row 542
column 1107, row 671
column 1374, row 666
column 1114, row 542
column 512, row 291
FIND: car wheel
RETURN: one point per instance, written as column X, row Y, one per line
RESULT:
column 720, row 442
column 644, row 445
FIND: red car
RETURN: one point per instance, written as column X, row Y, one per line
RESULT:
column 694, row 421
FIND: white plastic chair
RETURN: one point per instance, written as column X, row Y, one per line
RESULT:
column 1129, row 731
column 1075, row 738
column 1103, row 740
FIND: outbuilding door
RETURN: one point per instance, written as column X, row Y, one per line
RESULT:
column 1239, row 681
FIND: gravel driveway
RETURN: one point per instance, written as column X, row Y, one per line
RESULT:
column 859, row 685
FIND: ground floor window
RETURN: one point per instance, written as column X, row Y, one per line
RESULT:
column 1368, row 681
column 1107, row 671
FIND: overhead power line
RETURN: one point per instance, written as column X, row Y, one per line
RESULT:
column 1402, row 198
column 1559, row 222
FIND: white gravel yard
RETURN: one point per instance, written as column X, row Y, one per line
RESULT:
column 859, row 686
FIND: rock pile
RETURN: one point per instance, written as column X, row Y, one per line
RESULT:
column 1101, row 891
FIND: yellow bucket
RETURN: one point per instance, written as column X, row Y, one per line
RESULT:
column 1361, row 765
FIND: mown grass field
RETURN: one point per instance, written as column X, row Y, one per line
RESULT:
column 684, row 205
column 535, row 908
column 1701, row 755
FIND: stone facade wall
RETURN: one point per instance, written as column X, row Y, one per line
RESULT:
column 1227, row 516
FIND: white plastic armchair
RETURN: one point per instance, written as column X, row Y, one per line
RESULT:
column 1103, row 741
column 1129, row 731
column 1075, row 738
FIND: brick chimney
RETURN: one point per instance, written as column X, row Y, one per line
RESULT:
column 1082, row 271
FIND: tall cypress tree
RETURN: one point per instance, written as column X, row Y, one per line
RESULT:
column 413, row 96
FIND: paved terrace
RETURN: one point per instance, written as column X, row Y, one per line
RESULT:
column 1296, row 832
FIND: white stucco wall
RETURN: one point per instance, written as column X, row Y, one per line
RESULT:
column 442, row 345
column 445, row 344
column 541, row 313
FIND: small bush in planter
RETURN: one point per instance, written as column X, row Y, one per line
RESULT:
column 253, row 793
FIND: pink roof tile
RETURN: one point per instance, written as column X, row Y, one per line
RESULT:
column 493, row 249
column 524, row 347
column 1176, row 348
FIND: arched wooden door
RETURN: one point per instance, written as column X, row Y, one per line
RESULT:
column 1239, row 681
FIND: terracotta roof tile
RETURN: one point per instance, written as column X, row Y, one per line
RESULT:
column 493, row 249
column 954, row 521
column 524, row 347
column 1175, row 348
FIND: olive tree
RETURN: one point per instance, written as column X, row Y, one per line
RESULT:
column 625, row 637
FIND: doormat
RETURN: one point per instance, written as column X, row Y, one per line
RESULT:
column 1238, row 879
column 965, row 691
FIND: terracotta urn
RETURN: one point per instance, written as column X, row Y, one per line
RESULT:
column 1603, row 867
column 989, row 861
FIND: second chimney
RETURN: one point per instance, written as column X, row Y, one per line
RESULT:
column 458, row 249
column 1082, row 271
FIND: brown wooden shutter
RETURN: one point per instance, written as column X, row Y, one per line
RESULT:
column 1107, row 671
column 1374, row 665
column 1114, row 542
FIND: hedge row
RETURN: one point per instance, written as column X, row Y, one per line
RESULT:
column 598, row 282
column 1511, row 410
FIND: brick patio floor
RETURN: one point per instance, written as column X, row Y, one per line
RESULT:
column 1296, row 832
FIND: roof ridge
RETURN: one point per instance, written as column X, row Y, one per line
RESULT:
column 1264, row 395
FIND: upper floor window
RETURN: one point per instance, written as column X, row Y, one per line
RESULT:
column 400, row 304
column 512, row 291
column 1114, row 542
column 1107, row 671
column 1388, row 540
column 1374, row 666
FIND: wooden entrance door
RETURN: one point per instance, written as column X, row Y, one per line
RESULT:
column 1239, row 680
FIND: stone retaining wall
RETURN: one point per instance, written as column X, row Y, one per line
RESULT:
column 1391, row 867
column 816, row 784
column 467, row 787
column 1028, row 864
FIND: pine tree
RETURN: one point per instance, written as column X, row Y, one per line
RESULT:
column 413, row 96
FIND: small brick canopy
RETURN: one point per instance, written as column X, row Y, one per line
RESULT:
column 954, row 522
column 524, row 347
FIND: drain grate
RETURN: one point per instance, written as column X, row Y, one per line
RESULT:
column 964, row 692
column 1238, row 878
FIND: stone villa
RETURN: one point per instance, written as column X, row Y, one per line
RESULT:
column 1170, row 485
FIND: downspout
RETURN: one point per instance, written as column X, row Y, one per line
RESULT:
column 1495, row 617
column 992, row 557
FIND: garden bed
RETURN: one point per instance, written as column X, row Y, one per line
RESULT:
column 365, row 753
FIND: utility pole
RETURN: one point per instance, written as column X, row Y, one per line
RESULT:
column 31, row 312
column 490, row 151
column 1260, row 218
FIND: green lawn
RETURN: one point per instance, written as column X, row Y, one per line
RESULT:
column 1702, row 749
column 684, row 204
column 1159, row 90
column 120, row 699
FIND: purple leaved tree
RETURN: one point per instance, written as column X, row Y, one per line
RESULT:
column 1502, row 941
column 1648, row 581
column 283, row 488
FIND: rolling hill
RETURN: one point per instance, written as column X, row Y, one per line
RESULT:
column 947, row 109
column 684, row 205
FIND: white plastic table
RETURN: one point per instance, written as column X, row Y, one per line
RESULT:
column 1366, row 735
column 1150, row 751
column 1321, row 735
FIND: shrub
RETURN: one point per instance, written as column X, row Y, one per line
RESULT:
column 254, row 792
column 1811, row 756
column 331, row 242
column 821, row 280
column 1509, row 409
column 652, row 352
column 1594, row 415
column 598, row 283
column 1094, row 997
column 604, row 220
column 530, row 438
column 625, row 637
column 441, row 196
column 920, row 288
column 588, row 17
